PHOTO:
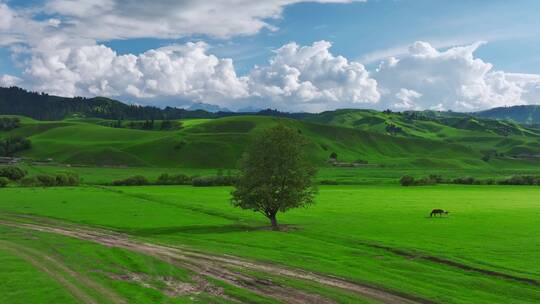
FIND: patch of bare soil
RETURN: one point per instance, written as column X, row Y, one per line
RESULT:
column 173, row 287
column 217, row 267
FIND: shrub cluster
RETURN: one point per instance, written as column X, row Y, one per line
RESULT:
column 361, row 162
column 12, row 173
column 408, row 180
column 469, row 180
column 3, row 182
column 137, row 180
column 474, row 181
column 178, row 179
column 173, row 179
column 180, row 145
column 521, row 180
column 329, row 182
column 62, row 179
column 216, row 180
column 8, row 123
column 393, row 129
column 11, row 145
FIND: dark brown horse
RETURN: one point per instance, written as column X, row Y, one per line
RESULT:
column 440, row 212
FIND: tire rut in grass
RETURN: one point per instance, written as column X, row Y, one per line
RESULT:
column 166, row 203
column 454, row 264
column 216, row 267
column 52, row 272
column 202, row 267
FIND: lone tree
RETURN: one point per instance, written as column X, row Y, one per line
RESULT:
column 275, row 174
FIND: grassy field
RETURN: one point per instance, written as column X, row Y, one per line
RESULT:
column 365, row 240
column 352, row 176
column 218, row 143
column 380, row 235
column 47, row 268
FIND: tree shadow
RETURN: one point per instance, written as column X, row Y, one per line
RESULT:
column 196, row 229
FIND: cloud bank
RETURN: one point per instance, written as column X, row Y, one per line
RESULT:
column 58, row 47
column 311, row 77
column 186, row 71
column 110, row 19
column 426, row 78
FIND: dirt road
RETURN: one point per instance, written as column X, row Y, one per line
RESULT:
column 229, row 269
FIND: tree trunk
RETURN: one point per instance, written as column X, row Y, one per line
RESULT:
column 273, row 220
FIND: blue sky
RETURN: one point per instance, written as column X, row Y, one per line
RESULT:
column 361, row 29
column 51, row 45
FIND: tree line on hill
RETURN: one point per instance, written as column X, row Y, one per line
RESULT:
column 42, row 106
column 12, row 145
column 13, row 174
column 179, row 179
column 9, row 123
column 149, row 124
column 434, row 179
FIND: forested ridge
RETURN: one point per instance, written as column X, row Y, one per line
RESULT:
column 42, row 106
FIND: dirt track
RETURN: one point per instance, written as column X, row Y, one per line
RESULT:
column 226, row 268
column 66, row 277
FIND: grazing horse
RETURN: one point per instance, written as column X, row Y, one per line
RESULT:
column 440, row 212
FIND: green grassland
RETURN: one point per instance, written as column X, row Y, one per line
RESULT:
column 368, row 230
column 346, row 176
column 218, row 143
column 375, row 234
column 46, row 268
column 480, row 134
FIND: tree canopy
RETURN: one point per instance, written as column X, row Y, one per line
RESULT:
column 275, row 175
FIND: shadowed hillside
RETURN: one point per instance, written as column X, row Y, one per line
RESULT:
column 529, row 114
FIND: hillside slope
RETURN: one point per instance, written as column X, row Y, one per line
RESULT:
column 219, row 143
column 488, row 136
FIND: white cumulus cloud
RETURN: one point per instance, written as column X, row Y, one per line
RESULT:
column 117, row 19
column 6, row 16
column 58, row 45
column 186, row 71
column 310, row 77
column 406, row 98
column 9, row 80
column 450, row 79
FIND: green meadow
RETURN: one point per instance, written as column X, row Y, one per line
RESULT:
column 380, row 235
column 440, row 143
column 365, row 240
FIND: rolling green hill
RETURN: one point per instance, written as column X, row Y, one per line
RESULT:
column 218, row 143
column 487, row 136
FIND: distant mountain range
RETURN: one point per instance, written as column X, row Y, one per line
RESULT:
column 207, row 107
column 529, row 114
